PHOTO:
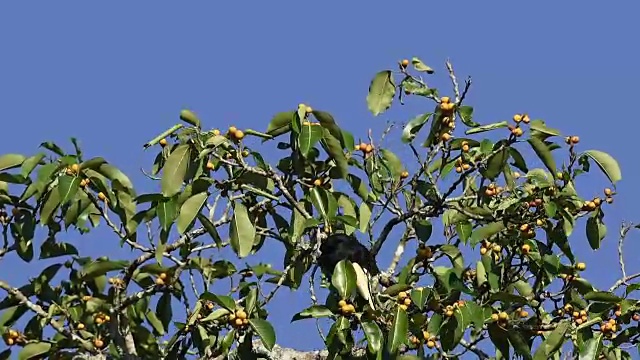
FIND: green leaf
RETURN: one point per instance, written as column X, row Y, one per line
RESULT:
column 520, row 345
column 68, row 187
column 50, row 206
column 455, row 256
column 50, row 249
column 309, row 136
column 420, row 296
column 381, row 92
column 280, row 123
column 175, row 170
column 552, row 343
column 602, row 296
column 488, row 127
column 486, row 232
column 164, row 310
column 333, row 147
column 398, row 332
column 30, row 163
column 116, row 176
column 265, row 332
column 606, row 163
column 500, row 338
column 542, row 150
column 539, row 126
column 155, row 323
column 242, row 232
column 344, row 279
column 9, row 161
column 166, row 210
column 315, row 311
column 591, row 348
column 101, row 267
column 34, row 349
column 190, row 118
column 596, row 231
column 413, row 127
column 374, row 336
column 324, row 202
column 393, row 163
column 496, row 163
column 189, row 210
column 420, row 66
column 466, row 115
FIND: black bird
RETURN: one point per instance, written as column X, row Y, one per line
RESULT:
column 342, row 246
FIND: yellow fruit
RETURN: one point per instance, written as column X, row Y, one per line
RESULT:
column 210, row 165
column 483, row 251
column 608, row 192
column 431, row 344
column 238, row 134
column 496, row 248
column 245, row 321
column 317, row 182
column 405, row 63
column 526, row 119
column 579, row 321
column 426, row 335
column 576, row 314
column 10, row 341
column 241, row 314
column 524, row 314
column 581, row 266
column 80, row 326
column 102, row 196
column 163, row 142
column 404, row 307
column 75, row 168
column 517, row 118
column 458, row 169
column 350, row 308
column 407, row 301
column 98, row 321
column 216, row 132
column 362, row 147
column 86, row 298
column 368, row 148
column 402, row 295
column 107, row 318
column 597, row 201
column 524, row 227
column 495, row 317
column 13, row 334
column 525, row 248
column 517, row 132
column 503, row 316
column 159, row 281
column 163, row 276
column 238, row 322
column 404, row 174
column 465, row 148
column 575, row 140
column 448, row 313
column 209, row 305
column 232, row 129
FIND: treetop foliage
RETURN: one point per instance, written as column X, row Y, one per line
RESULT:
column 501, row 280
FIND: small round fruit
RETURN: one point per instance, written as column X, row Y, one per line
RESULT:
column 496, row 248
column 495, row 317
column 238, row 322
column 445, row 137
column 483, row 251
column 80, row 326
column 245, row 153
column 238, row 134
column 404, row 63
column 317, row 182
column 342, row 303
column 163, row 142
column 517, row 132
column 210, row 165
column 232, row 129
column 458, row 169
column 102, row 196
column 241, row 314
column 163, row 276
column 159, row 281
column 402, row 295
column 526, row 119
column 216, row 132
column 407, row 301
column 75, row 168
column 581, row 266
column 608, row 192
column 517, row 118
column 363, row 147
column 368, row 148
column 10, row 341
column 524, row 314
column 575, row 140
column 465, row 148
column 404, row 174
column 526, row 248
column 516, row 175
column 404, row 307
column 503, row 315
column 98, row 343
column 431, row 344
column 107, row 318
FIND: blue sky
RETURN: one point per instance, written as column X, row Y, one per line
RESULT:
column 116, row 75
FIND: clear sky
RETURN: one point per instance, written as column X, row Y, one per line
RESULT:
column 116, row 75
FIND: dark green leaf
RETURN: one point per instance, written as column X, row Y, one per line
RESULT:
column 265, row 332
column 606, row 163
column 189, row 210
column 543, row 152
column 398, row 332
column 344, row 279
column 242, row 231
column 381, row 92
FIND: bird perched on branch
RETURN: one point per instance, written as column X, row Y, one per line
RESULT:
column 338, row 247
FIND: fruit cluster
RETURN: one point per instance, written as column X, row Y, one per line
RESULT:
column 161, row 279
column 98, row 343
column 235, row 134
column 572, row 140
column 461, row 165
column 365, row 148
column 403, row 300
column 346, row 309
column 13, row 337
column 238, row 319
column 449, row 310
column 517, row 118
column 101, row 318
column 423, row 252
column 493, row 190
column 430, row 340
column 488, row 247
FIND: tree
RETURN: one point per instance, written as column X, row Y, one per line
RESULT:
column 501, row 280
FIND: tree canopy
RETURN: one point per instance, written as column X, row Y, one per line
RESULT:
column 494, row 274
